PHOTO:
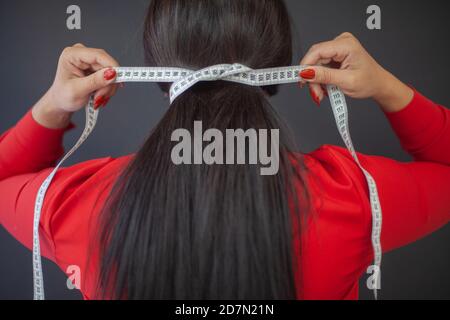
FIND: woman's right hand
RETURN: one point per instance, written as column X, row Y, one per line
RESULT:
column 82, row 72
column 344, row 62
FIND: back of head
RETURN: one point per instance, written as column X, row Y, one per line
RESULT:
column 197, row 34
column 206, row 231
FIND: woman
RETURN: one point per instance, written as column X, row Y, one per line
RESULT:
column 140, row 227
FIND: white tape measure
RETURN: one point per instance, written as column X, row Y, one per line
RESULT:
column 184, row 79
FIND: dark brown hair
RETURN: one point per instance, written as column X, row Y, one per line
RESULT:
column 206, row 232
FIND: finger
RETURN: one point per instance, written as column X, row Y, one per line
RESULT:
column 325, row 75
column 102, row 97
column 83, row 69
column 317, row 93
column 85, row 66
column 321, row 62
column 93, row 57
column 324, row 62
column 336, row 50
column 84, row 61
column 108, row 91
column 96, row 81
column 80, row 65
column 325, row 90
column 345, row 35
column 96, row 67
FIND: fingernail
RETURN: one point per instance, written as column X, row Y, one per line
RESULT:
column 308, row 74
column 314, row 97
column 105, row 102
column 98, row 102
column 110, row 74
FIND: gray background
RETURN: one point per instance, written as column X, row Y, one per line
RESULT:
column 413, row 44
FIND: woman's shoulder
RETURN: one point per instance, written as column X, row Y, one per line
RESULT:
column 336, row 238
column 336, row 182
column 334, row 163
column 99, row 168
column 72, row 205
column 86, row 180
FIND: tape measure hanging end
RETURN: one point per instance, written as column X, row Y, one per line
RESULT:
column 38, row 279
column 340, row 110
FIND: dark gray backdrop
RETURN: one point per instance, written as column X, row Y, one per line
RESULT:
column 413, row 44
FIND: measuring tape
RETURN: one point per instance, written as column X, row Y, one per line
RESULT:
column 182, row 80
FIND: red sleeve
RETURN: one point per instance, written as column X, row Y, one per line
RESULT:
column 28, row 153
column 25, row 151
column 414, row 196
column 423, row 128
column 30, row 147
column 415, row 200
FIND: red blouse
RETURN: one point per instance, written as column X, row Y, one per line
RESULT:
column 336, row 245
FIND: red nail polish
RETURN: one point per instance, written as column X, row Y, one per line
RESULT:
column 105, row 102
column 314, row 97
column 308, row 74
column 110, row 74
column 98, row 102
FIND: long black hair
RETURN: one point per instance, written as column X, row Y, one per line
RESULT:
column 207, row 231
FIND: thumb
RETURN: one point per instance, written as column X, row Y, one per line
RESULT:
column 96, row 81
column 324, row 75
